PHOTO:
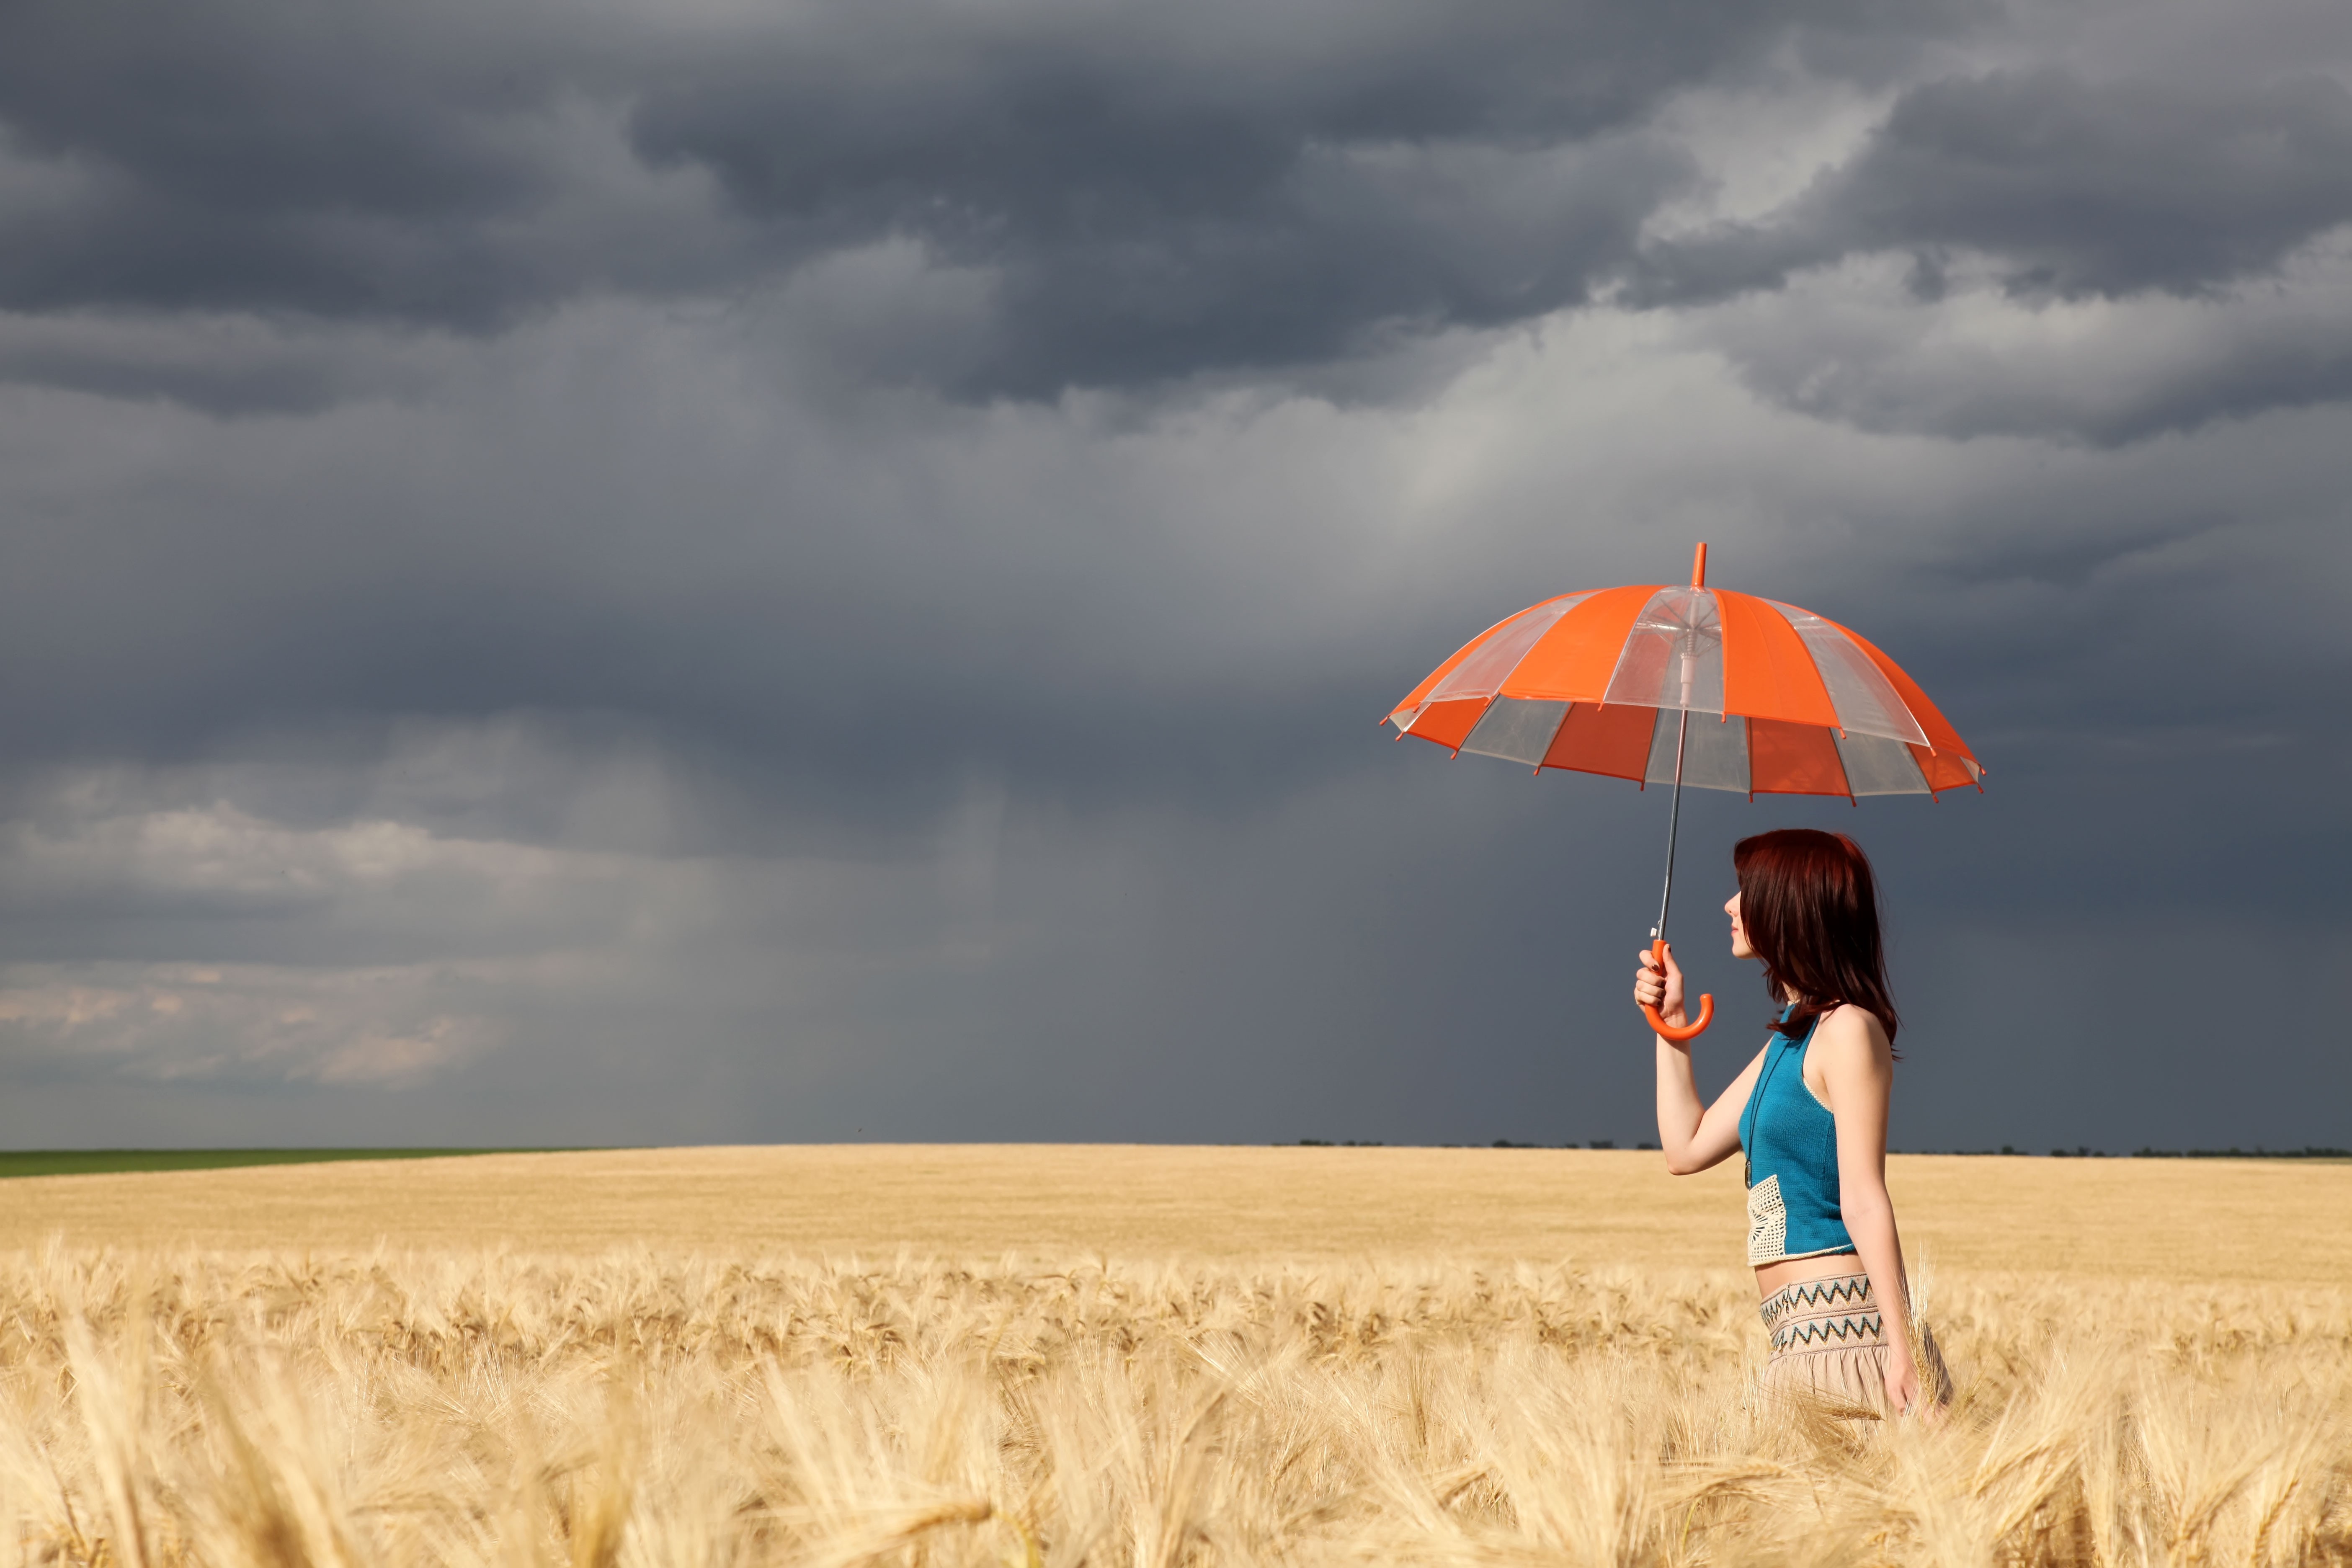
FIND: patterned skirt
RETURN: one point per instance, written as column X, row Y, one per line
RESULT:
column 1829, row 1347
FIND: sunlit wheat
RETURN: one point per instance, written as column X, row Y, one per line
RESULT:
column 490, row 1408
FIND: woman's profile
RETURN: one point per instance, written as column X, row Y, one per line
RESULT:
column 1810, row 1112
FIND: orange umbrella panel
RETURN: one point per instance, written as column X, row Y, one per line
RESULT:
column 1799, row 704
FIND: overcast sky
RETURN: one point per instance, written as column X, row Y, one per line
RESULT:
column 705, row 572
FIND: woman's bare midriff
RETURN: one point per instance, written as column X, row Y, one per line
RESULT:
column 1771, row 1277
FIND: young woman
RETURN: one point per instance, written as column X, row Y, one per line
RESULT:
column 1810, row 1112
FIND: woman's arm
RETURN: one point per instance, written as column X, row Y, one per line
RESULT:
column 1858, row 1065
column 1693, row 1138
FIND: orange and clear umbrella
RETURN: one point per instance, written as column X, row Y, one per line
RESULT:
column 1606, row 681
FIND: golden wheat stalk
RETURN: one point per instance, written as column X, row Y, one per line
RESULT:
column 478, row 1408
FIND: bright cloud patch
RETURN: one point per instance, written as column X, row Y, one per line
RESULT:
column 243, row 1022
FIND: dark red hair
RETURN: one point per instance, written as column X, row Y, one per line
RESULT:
column 1810, row 908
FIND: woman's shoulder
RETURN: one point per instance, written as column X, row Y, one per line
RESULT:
column 1849, row 1027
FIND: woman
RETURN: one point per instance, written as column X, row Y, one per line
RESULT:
column 1810, row 1111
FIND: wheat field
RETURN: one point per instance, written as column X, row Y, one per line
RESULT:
column 1143, row 1357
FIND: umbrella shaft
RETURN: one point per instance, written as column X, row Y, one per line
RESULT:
column 1674, row 816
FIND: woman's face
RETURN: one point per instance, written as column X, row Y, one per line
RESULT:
column 1740, row 948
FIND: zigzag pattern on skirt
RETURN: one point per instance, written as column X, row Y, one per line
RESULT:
column 1816, row 1293
column 1812, row 1331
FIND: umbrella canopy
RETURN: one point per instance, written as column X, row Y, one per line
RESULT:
column 1586, row 682
column 1583, row 681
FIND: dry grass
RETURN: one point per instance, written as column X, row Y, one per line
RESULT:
column 1421, row 1399
column 487, row 1408
column 2220, row 1221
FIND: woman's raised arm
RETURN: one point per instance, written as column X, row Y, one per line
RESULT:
column 1693, row 1137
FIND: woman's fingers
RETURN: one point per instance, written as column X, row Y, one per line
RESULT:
column 1659, row 984
column 1649, row 983
column 1903, row 1390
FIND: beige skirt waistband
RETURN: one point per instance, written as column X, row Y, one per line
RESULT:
column 1824, row 1314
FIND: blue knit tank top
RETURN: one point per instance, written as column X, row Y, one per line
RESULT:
column 1793, row 1159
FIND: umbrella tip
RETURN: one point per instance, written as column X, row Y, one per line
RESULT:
column 1698, row 567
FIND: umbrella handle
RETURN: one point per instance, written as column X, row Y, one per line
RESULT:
column 1688, row 1031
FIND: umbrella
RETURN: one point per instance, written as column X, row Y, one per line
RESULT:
column 1605, row 681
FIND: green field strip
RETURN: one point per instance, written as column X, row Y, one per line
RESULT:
column 99, row 1161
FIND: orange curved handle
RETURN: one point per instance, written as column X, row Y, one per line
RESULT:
column 1688, row 1031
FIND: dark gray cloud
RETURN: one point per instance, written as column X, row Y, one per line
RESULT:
column 1854, row 344
column 1146, row 195
column 2073, row 188
column 440, row 164
column 2037, row 252
column 1220, row 187
column 531, row 616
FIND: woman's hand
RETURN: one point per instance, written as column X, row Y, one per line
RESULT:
column 1664, row 990
column 1903, row 1382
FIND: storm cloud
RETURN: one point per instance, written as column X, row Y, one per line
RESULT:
column 698, row 574
column 1134, row 194
column 2071, row 188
